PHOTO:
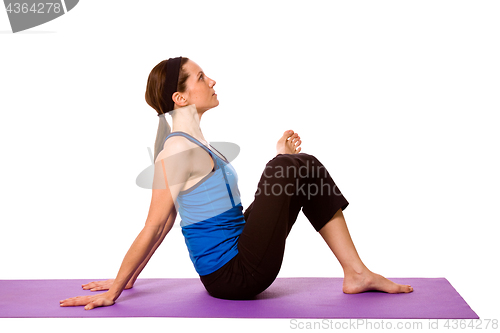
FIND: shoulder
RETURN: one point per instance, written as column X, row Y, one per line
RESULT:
column 176, row 146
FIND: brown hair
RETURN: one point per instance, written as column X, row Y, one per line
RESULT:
column 154, row 87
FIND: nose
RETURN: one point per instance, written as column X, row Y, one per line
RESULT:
column 212, row 82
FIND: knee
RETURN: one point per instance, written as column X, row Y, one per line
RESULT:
column 282, row 167
column 311, row 159
column 298, row 165
column 282, row 160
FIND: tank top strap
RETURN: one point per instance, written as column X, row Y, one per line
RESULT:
column 189, row 137
column 218, row 162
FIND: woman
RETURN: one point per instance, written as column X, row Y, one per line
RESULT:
column 237, row 255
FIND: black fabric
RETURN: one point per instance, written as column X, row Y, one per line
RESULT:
column 170, row 83
column 269, row 219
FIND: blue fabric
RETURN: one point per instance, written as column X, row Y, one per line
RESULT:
column 211, row 215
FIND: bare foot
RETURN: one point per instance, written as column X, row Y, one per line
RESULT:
column 289, row 143
column 357, row 283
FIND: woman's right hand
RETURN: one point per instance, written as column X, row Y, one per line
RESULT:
column 102, row 285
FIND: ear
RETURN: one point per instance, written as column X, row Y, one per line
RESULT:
column 179, row 99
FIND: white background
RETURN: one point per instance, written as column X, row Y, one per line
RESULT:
column 398, row 99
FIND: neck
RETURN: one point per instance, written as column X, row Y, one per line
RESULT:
column 187, row 119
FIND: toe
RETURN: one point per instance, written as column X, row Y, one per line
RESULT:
column 405, row 289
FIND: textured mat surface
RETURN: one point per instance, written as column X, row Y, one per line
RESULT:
column 314, row 298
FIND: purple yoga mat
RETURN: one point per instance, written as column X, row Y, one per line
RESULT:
column 314, row 298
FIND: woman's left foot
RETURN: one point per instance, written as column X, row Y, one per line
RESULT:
column 289, row 143
column 357, row 283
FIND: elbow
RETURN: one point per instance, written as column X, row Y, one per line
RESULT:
column 153, row 231
column 158, row 230
column 160, row 225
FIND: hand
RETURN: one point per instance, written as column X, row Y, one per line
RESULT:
column 102, row 285
column 90, row 302
column 289, row 143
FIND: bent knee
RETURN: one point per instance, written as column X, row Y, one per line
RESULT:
column 282, row 159
column 298, row 160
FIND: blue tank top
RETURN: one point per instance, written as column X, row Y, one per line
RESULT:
column 211, row 214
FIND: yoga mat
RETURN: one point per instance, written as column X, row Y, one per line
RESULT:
column 314, row 298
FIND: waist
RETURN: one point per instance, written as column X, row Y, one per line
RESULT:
column 213, row 242
column 230, row 218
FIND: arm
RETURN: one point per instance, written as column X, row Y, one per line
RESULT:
column 170, row 223
column 106, row 284
column 172, row 164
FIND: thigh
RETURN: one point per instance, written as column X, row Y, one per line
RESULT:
column 270, row 218
column 290, row 183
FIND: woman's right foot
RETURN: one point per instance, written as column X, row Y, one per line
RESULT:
column 355, row 283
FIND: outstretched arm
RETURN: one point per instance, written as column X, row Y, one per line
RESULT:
column 170, row 223
column 106, row 284
column 178, row 169
column 136, row 255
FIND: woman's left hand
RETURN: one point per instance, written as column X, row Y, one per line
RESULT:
column 90, row 302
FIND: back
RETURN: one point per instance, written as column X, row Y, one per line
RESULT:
column 211, row 213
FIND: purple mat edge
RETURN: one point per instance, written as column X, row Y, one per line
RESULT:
column 201, row 296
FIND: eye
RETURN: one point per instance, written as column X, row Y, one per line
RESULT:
column 201, row 77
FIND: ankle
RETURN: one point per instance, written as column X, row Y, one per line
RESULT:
column 358, row 269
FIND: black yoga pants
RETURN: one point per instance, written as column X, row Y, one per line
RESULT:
column 289, row 183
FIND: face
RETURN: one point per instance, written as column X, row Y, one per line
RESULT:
column 200, row 89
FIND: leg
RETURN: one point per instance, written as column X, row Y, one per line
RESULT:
column 290, row 182
column 357, row 277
